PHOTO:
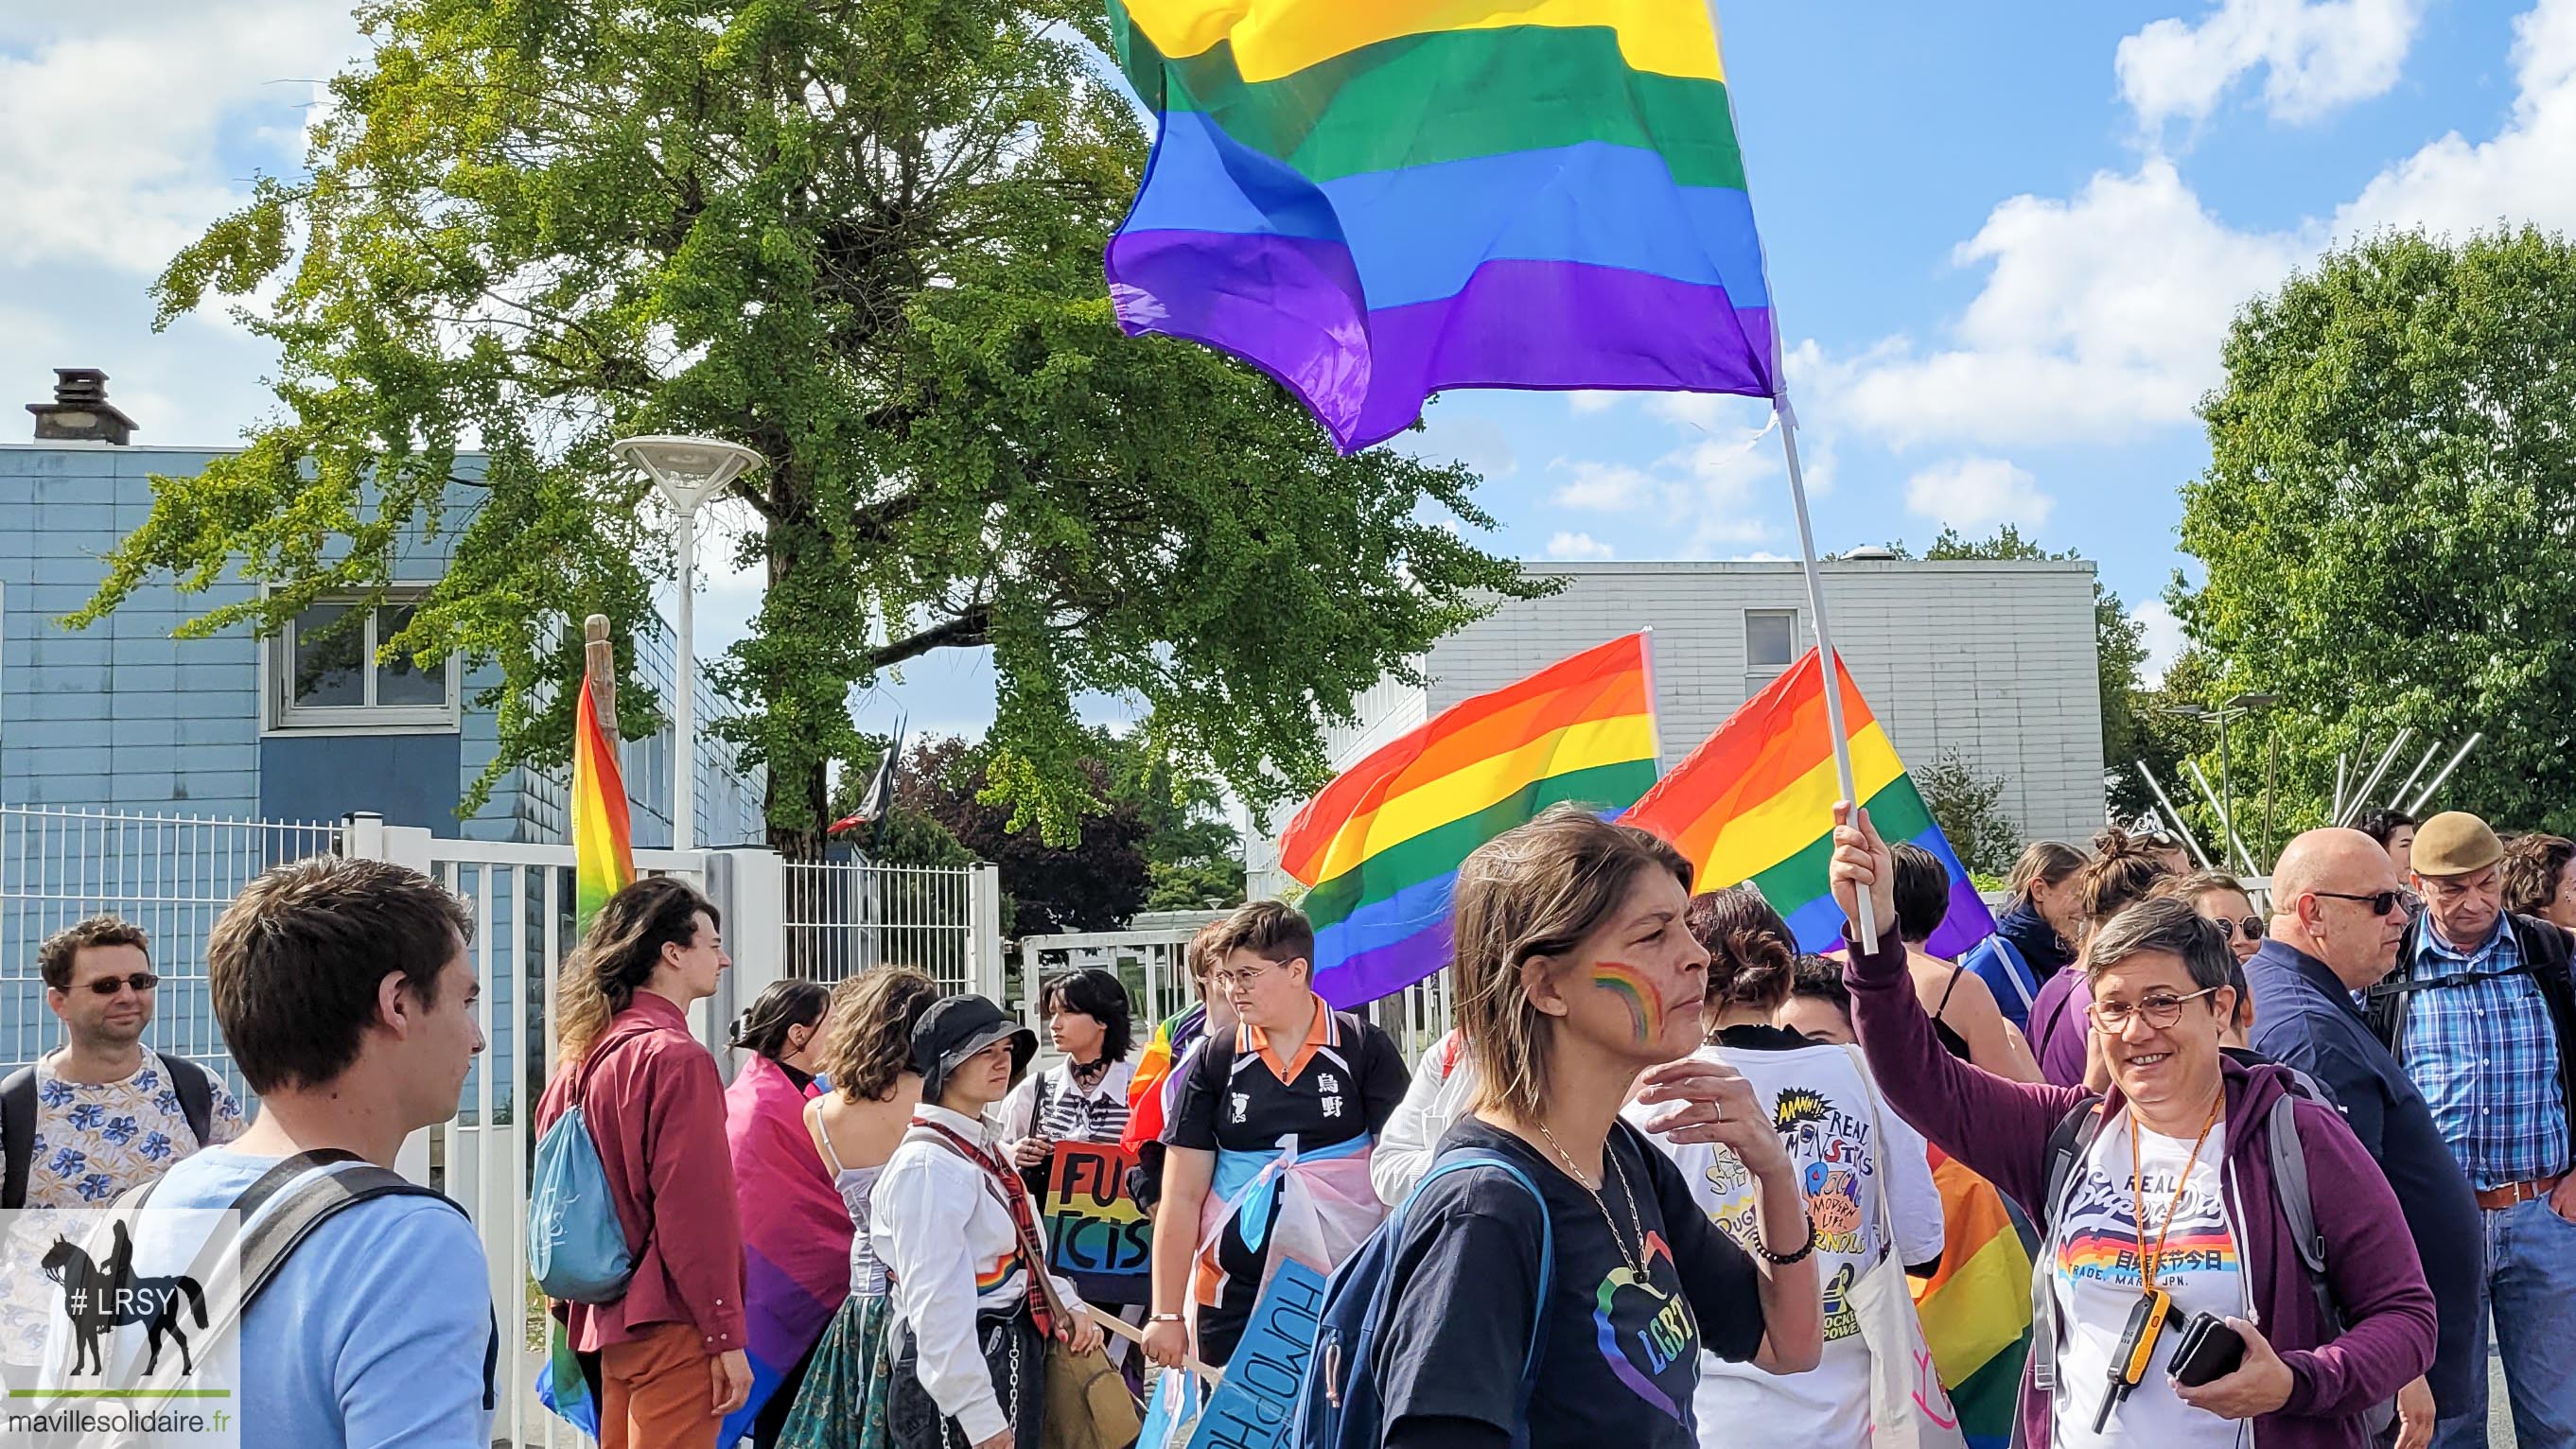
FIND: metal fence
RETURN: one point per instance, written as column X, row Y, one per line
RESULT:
column 843, row 917
column 171, row 875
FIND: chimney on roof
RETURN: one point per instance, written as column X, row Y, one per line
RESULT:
column 80, row 411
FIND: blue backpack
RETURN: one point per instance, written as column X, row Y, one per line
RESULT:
column 1338, row 1406
column 576, row 1246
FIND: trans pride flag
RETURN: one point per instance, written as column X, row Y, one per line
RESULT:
column 1755, row 802
column 1382, row 844
column 1372, row 200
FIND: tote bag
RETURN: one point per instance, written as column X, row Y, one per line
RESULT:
column 1907, row 1407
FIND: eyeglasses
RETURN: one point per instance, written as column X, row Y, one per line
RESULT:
column 2380, row 902
column 2251, row 928
column 110, row 985
column 2161, row 1012
column 1227, row 981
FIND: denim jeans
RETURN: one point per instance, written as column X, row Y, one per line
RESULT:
column 2531, row 1288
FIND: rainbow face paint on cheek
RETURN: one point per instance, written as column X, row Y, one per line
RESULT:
column 1645, row 1004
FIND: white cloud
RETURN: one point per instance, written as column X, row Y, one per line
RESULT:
column 1579, row 547
column 1974, row 494
column 2317, row 56
column 2163, row 637
column 1589, row 403
column 2454, row 186
column 1603, row 487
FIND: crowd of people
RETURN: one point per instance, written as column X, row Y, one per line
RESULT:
column 2283, row 1174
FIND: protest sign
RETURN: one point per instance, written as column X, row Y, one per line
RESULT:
column 1257, row 1400
column 1096, row 1234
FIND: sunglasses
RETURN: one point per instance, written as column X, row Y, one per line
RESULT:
column 2162, row 1012
column 2251, row 928
column 2381, row 902
column 110, row 985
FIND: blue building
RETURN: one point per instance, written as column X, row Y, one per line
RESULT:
column 123, row 719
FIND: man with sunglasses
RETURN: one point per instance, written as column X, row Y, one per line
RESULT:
column 2339, row 915
column 2483, row 1014
column 101, row 1114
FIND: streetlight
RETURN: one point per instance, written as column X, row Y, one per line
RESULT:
column 2242, row 705
column 689, row 471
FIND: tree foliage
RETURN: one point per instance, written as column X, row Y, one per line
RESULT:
column 2385, row 524
column 1967, row 803
column 864, row 240
column 1093, row 882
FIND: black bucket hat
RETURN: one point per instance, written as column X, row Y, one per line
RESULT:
column 957, row 1027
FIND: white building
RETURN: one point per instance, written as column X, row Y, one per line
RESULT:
column 1995, row 659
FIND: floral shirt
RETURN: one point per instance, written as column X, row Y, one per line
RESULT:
column 95, row 1140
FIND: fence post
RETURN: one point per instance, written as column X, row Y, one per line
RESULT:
column 369, row 838
column 748, row 884
column 987, row 973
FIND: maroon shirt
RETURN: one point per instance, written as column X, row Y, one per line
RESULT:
column 656, row 1109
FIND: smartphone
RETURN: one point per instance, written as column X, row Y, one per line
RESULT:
column 2209, row 1350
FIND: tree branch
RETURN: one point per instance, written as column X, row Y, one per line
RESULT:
column 965, row 631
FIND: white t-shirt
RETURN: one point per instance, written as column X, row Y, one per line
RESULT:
column 2097, row 1278
column 1822, row 1108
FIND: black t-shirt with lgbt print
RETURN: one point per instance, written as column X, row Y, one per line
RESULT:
column 1622, row 1354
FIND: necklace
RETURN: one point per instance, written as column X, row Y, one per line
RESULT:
column 1635, row 1258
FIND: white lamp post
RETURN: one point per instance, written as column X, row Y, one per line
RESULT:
column 689, row 471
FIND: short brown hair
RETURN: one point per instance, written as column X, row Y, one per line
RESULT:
column 1539, row 890
column 54, row 958
column 2532, row 867
column 870, row 1044
column 1752, row 959
column 294, row 962
column 2165, row 924
column 1275, row 931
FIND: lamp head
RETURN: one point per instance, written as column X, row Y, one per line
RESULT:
column 688, row 471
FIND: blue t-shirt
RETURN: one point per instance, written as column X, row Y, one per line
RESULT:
column 373, row 1333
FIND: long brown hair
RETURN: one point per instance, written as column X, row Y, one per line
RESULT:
column 620, row 953
column 2044, row 862
column 1539, row 890
column 869, row 1047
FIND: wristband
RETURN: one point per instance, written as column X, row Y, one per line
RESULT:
column 1783, row 1260
column 1172, row 1317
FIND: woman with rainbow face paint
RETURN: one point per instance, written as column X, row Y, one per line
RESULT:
column 1544, row 1212
column 1865, row 1174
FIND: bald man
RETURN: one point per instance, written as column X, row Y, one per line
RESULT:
column 2339, row 912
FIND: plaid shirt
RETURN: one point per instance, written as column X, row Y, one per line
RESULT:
column 2485, row 1056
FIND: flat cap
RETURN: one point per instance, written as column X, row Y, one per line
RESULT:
column 2454, row 843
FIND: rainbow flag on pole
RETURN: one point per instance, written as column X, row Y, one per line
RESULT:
column 603, row 845
column 1372, row 200
column 1755, row 802
column 1382, row 844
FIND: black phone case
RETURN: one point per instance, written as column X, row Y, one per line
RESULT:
column 2209, row 1350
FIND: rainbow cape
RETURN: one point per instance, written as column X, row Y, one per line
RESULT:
column 1382, row 844
column 1976, row 1310
column 1755, row 802
column 1374, row 201
column 795, row 1230
column 1149, row 1088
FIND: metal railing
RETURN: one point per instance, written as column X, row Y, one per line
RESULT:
column 840, row 918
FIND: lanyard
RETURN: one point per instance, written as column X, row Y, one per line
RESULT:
column 2148, row 1258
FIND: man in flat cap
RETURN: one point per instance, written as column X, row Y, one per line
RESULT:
column 2482, row 1012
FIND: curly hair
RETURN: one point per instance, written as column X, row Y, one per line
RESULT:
column 620, row 953
column 869, row 1047
column 1751, row 957
column 2533, row 866
column 54, row 958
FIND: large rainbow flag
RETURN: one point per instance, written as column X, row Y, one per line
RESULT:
column 1976, row 1310
column 1755, row 802
column 1382, row 844
column 1373, row 201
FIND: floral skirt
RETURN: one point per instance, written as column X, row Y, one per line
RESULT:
column 843, row 1402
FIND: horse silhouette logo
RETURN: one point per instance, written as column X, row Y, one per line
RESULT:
column 100, row 1298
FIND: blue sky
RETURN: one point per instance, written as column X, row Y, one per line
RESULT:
column 2005, row 241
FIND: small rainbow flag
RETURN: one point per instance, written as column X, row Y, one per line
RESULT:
column 1382, row 844
column 1147, row 1088
column 1374, row 201
column 1976, row 1310
column 603, row 845
column 1756, row 802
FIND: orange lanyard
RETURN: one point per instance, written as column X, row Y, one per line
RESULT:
column 2148, row 1259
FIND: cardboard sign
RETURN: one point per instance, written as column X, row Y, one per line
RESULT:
column 1096, row 1234
column 1254, row 1405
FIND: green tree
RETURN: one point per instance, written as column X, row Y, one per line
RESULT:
column 2385, row 524
column 1091, row 882
column 2120, row 646
column 1967, row 803
column 864, row 240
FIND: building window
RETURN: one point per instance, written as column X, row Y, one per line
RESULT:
column 1770, row 639
column 329, row 675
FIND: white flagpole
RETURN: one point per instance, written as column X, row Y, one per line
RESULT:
column 1869, row 927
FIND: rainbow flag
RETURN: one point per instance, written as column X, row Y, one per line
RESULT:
column 1374, row 201
column 1976, row 1310
column 1382, row 844
column 1151, row 1084
column 603, row 846
column 1755, row 802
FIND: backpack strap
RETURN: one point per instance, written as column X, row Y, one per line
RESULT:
column 2289, row 1159
column 2017, row 971
column 2068, row 1145
column 17, row 1135
column 1459, row 1162
column 195, row 1087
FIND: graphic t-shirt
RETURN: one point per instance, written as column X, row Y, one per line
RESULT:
column 2098, row 1282
column 92, row 1142
column 1623, row 1351
column 1822, row 1109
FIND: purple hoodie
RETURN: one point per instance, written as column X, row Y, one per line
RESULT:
column 2000, row 1129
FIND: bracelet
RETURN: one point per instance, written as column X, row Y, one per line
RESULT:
column 1183, row 1318
column 1783, row 1260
